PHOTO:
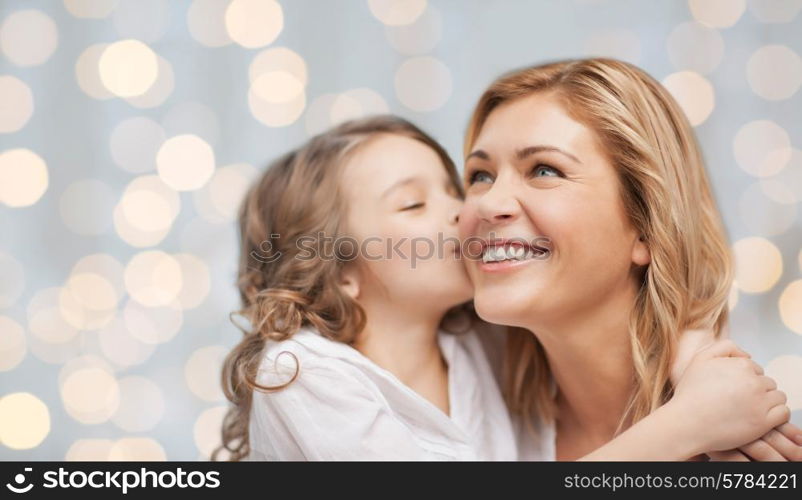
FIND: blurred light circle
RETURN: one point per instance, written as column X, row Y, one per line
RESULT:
column 791, row 306
column 195, row 281
column 693, row 93
column 16, row 101
column 787, row 372
column 89, row 450
column 128, row 68
column 56, row 354
column 206, row 22
column 144, row 20
column 617, row 43
column 758, row 264
column 45, row 320
column 762, row 215
column 202, row 372
column 273, row 114
column 92, row 9
column 219, row 200
column 92, row 291
column 762, row 148
column 86, row 206
column 146, row 210
column 159, row 91
column 148, row 205
column 28, row 37
column 87, row 72
column 397, row 12
column 696, row 47
column 419, row 37
column 13, row 345
column 134, row 236
column 357, row 103
column 786, row 186
column 206, row 430
column 122, row 348
column 185, row 162
column 318, row 115
column 91, row 395
column 141, row 404
column 775, row 11
column 137, row 449
column 24, row 421
column 774, row 72
column 135, row 231
column 23, row 177
column 254, row 23
column 152, row 325
column 423, row 83
column 153, row 278
column 277, row 87
column 13, row 282
column 135, row 142
column 278, row 59
column 717, row 13
column 193, row 118
column 74, row 303
column 104, row 265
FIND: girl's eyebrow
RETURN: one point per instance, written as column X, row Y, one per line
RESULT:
column 403, row 182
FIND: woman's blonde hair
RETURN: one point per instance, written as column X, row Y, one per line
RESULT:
column 667, row 195
column 296, row 198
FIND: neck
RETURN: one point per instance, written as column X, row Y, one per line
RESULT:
column 403, row 342
column 590, row 358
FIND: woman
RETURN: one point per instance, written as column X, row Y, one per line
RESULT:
column 346, row 355
column 595, row 158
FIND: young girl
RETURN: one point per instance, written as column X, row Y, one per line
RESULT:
column 351, row 280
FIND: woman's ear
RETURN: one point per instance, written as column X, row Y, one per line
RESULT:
column 349, row 282
column 641, row 255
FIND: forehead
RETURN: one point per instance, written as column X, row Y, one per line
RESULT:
column 386, row 159
column 539, row 118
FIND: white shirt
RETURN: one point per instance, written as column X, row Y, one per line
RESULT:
column 343, row 406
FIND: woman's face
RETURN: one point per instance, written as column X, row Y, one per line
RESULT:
column 538, row 176
column 402, row 209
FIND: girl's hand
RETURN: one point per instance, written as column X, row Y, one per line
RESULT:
column 781, row 444
column 726, row 400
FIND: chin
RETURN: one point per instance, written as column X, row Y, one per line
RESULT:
column 493, row 310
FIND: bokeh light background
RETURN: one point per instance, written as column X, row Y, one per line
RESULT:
column 129, row 130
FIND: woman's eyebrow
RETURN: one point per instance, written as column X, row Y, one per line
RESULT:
column 522, row 154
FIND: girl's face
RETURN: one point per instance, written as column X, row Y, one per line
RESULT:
column 402, row 210
column 536, row 175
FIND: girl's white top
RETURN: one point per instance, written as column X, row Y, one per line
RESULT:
column 343, row 406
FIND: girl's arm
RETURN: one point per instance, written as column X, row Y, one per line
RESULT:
column 720, row 380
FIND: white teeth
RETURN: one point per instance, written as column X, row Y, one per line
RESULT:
column 508, row 252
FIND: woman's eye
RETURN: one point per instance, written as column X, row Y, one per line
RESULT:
column 479, row 176
column 545, row 171
column 413, row 206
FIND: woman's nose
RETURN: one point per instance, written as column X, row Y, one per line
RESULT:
column 498, row 204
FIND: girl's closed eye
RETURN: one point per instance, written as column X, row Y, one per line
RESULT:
column 413, row 206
